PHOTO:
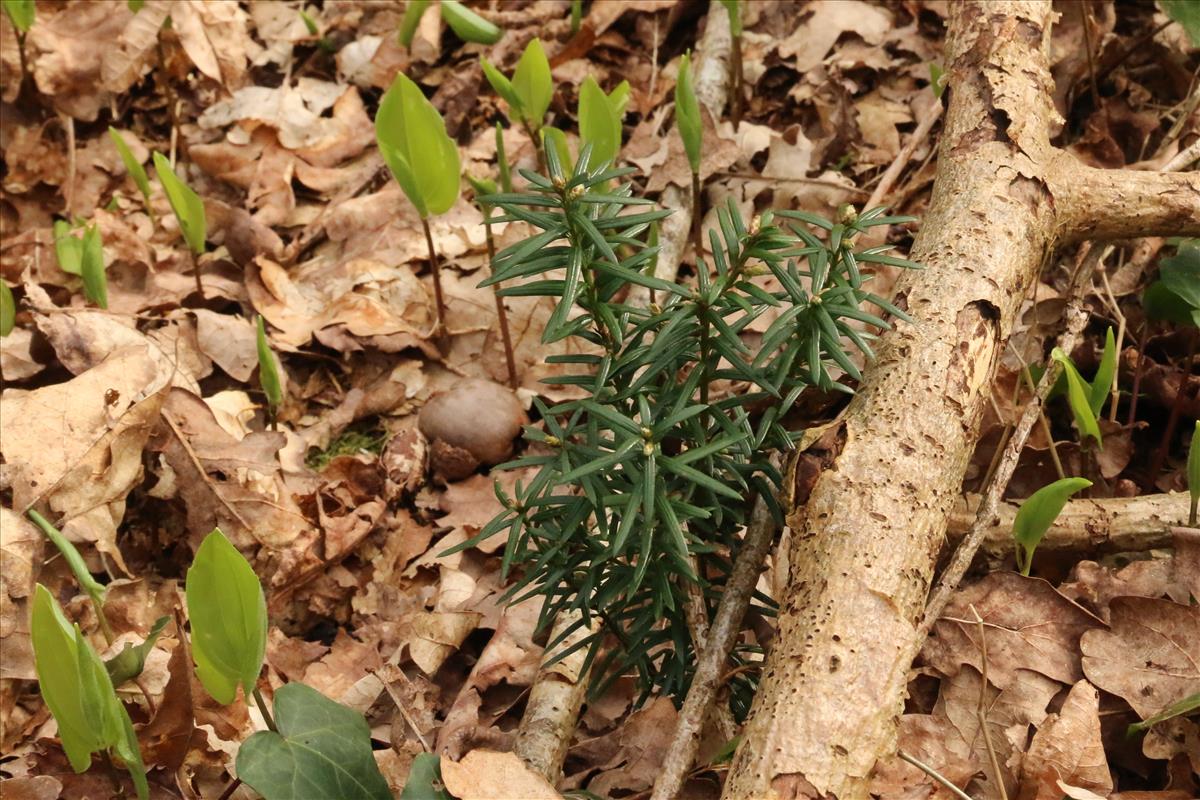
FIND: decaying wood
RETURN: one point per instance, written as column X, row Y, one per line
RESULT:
column 863, row 549
column 1108, row 525
column 553, row 707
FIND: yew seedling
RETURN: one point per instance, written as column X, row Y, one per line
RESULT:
column 1037, row 514
column 424, row 161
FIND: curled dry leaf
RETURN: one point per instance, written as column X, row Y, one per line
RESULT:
column 64, row 59
column 475, row 422
column 21, row 548
column 488, row 775
column 1067, row 749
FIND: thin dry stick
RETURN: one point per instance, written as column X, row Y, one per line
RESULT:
column 726, row 624
column 72, row 161
column 439, row 331
column 964, row 554
column 933, row 773
column 981, row 708
column 905, row 155
column 501, row 312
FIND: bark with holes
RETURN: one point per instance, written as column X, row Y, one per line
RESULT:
column 863, row 549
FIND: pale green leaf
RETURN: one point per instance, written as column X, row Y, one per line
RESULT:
column 1037, row 514
column 552, row 137
column 8, row 310
column 413, row 10
column 599, row 124
column 132, row 165
column 22, row 13
column 1103, row 380
column 1193, row 473
column 1181, row 272
column 322, row 749
column 532, row 83
column 425, row 780
column 68, row 248
column 268, row 369
column 421, row 155
column 1077, row 398
column 687, row 113
column 1187, row 14
column 187, row 205
column 95, row 281
column 503, row 87
column 228, row 614
column 467, row 25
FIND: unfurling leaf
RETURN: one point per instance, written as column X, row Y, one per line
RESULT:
column 1103, row 380
column 687, row 113
column 95, row 281
column 8, row 310
column 1193, row 474
column 187, row 205
column 22, row 13
column 425, row 780
column 132, row 165
column 529, row 92
column 68, row 248
column 1077, row 398
column 1037, row 514
column 599, row 123
column 228, row 614
column 129, row 663
column 467, row 25
column 418, row 151
column 77, row 690
column 321, row 749
column 268, row 370
column 412, row 17
column 75, row 563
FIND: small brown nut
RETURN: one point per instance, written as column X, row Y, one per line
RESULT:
column 473, row 423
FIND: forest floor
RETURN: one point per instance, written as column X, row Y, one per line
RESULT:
column 141, row 427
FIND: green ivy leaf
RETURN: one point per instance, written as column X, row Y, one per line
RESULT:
column 77, row 690
column 268, row 369
column 1037, row 514
column 1078, row 399
column 1164, row 305
column 599, row 124
column 22, row 13
column 1103, row 380
column 322, row 749
column 95, row 281
column 1181, row 273
column 467, row 25
column 187, row 205
column 229, row 619
column 68, row 248
column 687, row 113
column 421, row 155
column 8, row 310
column 425, row 780
column 412, row 17
column 132, row 165
column 1187, row 14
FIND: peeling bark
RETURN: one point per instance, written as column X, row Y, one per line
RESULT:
column 863, row 549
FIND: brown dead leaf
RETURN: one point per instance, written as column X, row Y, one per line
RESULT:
column 1030, row 626
column 1067, row 749
column 215, row 38
column 229, row 340
column 21, row 545
column 1150, row 657
column 40, row 787
column 632, row 755
column 811, row 41
column 167, row 738
column 64, row 59
column 488, row 775
column 434, row 635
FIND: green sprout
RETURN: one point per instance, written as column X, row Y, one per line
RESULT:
column 600, row 120
column 529, row 92
column 734, row 8
column 691, row 130
column 268, row 373
column 94, row 590
column 133, row 167
column 22, row 14
column 424, row 161
column 467, row 25
column 412, row 17
column 1037, row 514
column 188, row 208
column 91, row 267
column 576, row 16
column 8, row 310
column 77, row 689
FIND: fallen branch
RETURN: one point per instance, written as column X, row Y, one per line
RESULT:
column 1109, row 525
column 865, row 545
column 760, row 534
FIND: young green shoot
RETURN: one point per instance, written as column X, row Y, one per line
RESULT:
column 22, row 14
column 228, row 615
column 94, row 590
column 600, row 121
column 68, row 248
column 1079, row 398
column 576, row 16
column 691, row 128
column 1193, row 475
column 1176, row 709
column 467, row 25
column 189, row 211
column 134, row 168
column 734, row 7
column 424, row 161
column 528, row 93
column 8, row 310
column 413, row 10
column 77, row 689
column 502, row 167
column 1037, row 514
column 91, row 267
column 484, row 188
column 268, row 373
column 311, row 26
